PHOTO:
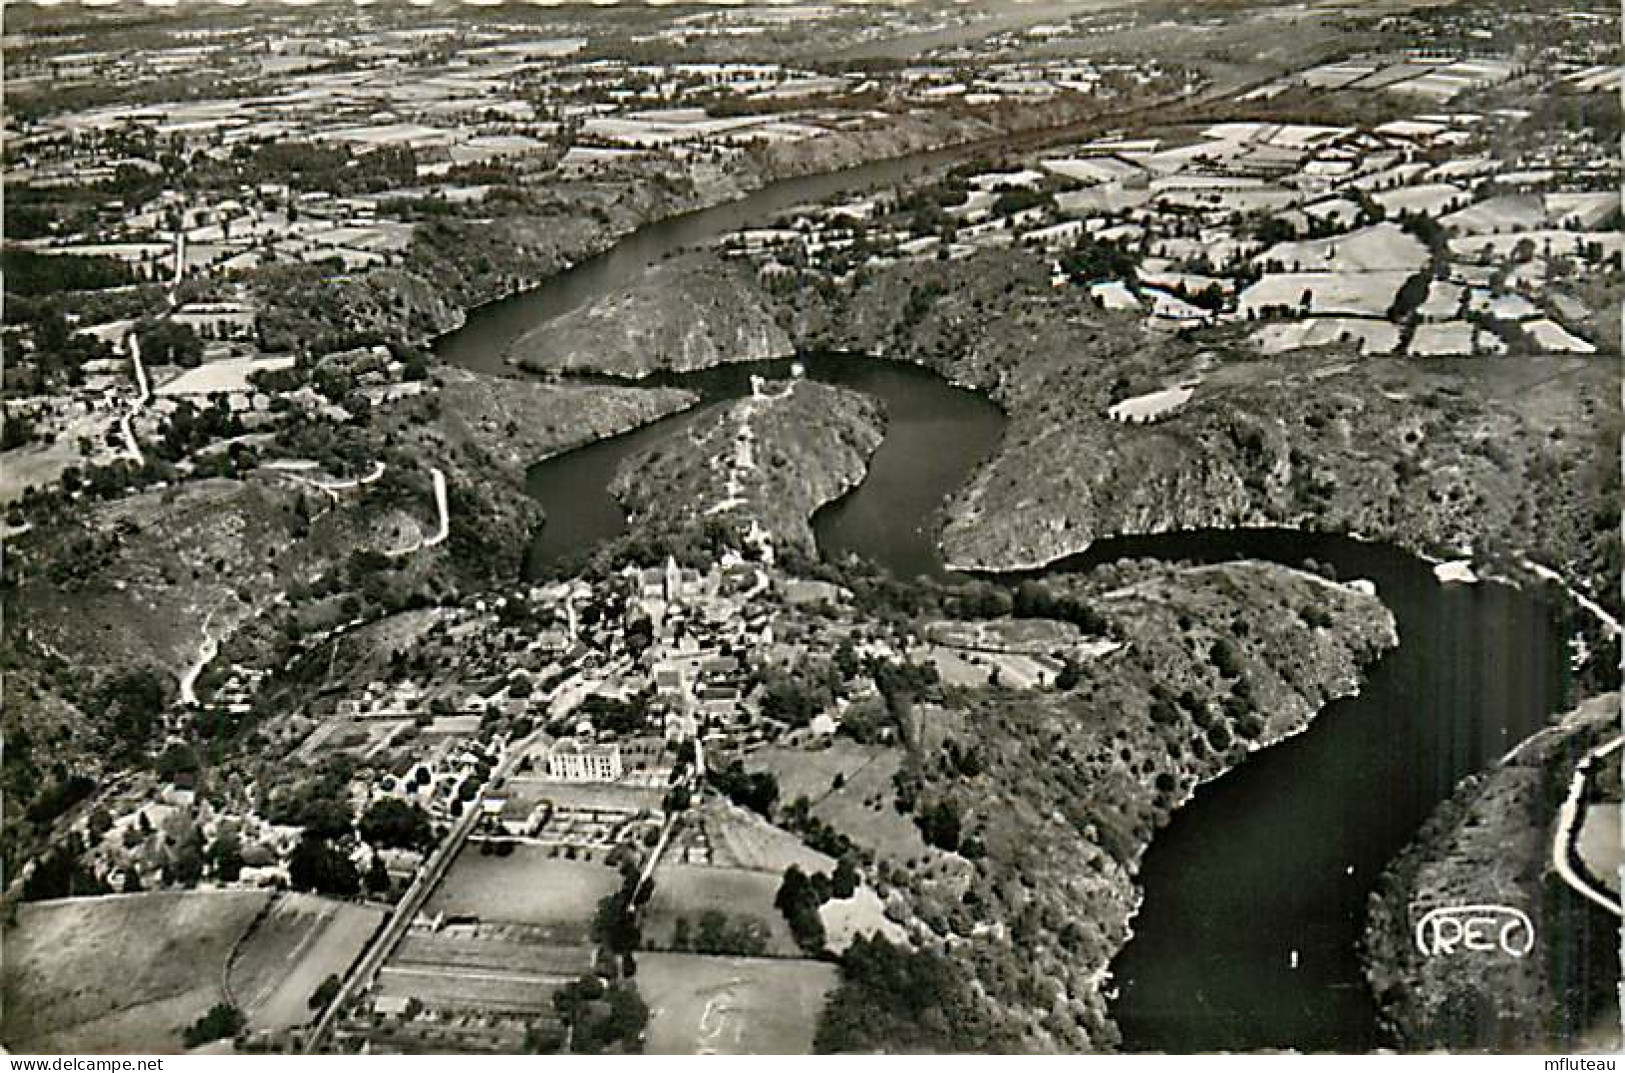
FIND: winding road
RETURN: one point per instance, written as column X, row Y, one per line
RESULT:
column 1569, row 819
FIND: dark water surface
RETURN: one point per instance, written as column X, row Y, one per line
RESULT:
column 1279, row 855
column 1276, row 857
column 482, row 342
column 935, row 435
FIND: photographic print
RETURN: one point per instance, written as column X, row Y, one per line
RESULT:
column 811, row 527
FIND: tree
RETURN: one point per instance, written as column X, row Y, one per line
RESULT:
column 844, row 883
column 1092, row 261
column 61, row 874
column 1069, row 675
column 757, row 791
column 601, row 1018
column 940, row 824
column 317, row 866
column 221, row 1022
column 391, row 823
column 133, row 702
column 324, row 993
column 377, row 876
column 914, row 1001
column 323, row 817
column 1410, row 297
column 170, row 342
column 226, row 855
column 799, row 899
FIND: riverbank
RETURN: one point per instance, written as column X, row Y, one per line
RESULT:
column 1069, row 787
column 1489, row 460
column 765, row 463
column 1490, row 843
column 689, row 313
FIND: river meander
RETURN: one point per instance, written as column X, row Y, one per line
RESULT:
column 1255, row 893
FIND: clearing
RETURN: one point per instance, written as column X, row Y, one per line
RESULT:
column 301, row 941
column 122, row 973
column 722, row 1005
column 527, row 887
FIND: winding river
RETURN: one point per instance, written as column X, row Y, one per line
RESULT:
column 1255, row 893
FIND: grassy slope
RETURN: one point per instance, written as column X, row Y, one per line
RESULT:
column 1072, row 786
column 806, row 449
column 168, row 949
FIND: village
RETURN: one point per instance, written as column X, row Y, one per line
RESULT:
column 511, row 764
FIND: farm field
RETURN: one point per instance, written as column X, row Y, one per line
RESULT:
column 230, row 374
column 719, row 1005
column 1373, row 336
column 170, row 950
column 862, row 808
column 301, row 941
column 527, row 887
column 1451, row 338
column 741, row 839
column 1369, row 294
column 1381, row 247
column 956, row 667
column 505, row 968
column 685, row 890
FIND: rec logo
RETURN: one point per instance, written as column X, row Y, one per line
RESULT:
column 1477, row 929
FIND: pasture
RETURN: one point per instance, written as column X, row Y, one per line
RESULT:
column 741, row 839
column 686, row 891
column 862, row 808
column 722, row 1005
column 527, row 887
column 301, row 941
column 229, row 374
column 120, row 973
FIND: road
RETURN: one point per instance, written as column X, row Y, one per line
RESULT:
column 133, row 345
column 428, row 878
column 206, row 652
column 332, row 488
column 1568, row 820
column 442, row 526
column 1611, row 625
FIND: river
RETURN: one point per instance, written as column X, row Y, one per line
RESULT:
column 935, row 435
column 482, row 343
column 1275, row 858
column 1280, row 855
